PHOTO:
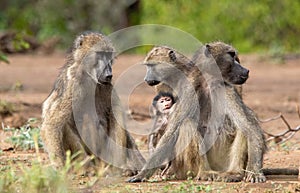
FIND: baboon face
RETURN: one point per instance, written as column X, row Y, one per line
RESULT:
column 99, row 66
column 228, row 62
column 164, row 104
column 95, row 53
column 154, row 73
column 162, row 65
column 163, row 73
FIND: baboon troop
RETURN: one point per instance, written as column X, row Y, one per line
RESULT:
column 227, row 150
column 83, row 113
column 202, row 128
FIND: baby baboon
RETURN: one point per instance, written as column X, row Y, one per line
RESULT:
column 83, row 113
column 239, row 145
column 163, row 105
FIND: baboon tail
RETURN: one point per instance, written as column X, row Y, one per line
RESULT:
column 280, row 171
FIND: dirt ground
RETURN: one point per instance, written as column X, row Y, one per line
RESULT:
column 273, row 88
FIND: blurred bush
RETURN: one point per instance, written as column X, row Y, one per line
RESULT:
column 249, row 25
column 45, row 19
column 3, row 58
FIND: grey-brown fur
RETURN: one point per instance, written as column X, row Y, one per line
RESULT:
column 87, row 75
column 240, row 144
column 181, row 143
column 244, row 152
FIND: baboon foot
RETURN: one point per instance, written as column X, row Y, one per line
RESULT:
column 255, row 177
column 142, row 176
column 220, row 177
column 207, row 176
column 230, row 177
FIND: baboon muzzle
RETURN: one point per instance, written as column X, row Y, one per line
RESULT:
column 242, row 74
column 108, row 78
column 243, row 77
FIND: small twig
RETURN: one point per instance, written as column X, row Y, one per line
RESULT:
column 269, row 134
column 288, row 137
column 287, row 134
column 291, row 131
column 270, row 119
column 286, row 123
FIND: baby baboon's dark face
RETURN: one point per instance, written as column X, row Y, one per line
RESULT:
column 164, row 104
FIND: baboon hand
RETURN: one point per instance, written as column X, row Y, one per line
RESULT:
column 254, row 177
column 135, row 179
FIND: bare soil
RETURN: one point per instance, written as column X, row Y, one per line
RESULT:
column 273, row 88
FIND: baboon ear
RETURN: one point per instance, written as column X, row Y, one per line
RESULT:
column 172, row 55
column 207, row 50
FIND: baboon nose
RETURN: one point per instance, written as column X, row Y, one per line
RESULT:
column 247, row 72
column 152, row 82
column 108, row 78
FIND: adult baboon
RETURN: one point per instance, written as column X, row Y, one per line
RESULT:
column 83, row 112
column 241, row 140
column 239, row 145
column 181, row 143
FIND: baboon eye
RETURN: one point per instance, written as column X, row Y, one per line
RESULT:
column 80, row 42
column 172, row 55
column 232, row 54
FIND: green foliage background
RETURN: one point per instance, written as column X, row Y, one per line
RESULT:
column 249, row 25
column 63, row 18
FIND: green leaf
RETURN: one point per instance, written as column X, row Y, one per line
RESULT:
column 4, row 58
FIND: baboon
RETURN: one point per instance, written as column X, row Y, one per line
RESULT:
column 239, row 147
column 83, row 112
column 241, row 141
column 181, row 144
column 163, row 105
